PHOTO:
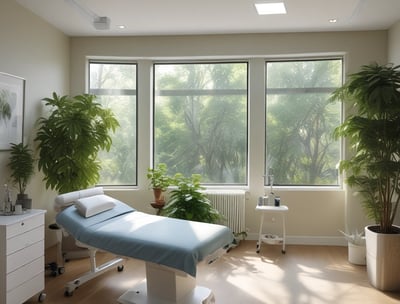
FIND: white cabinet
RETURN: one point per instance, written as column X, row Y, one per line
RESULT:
column 21, row 256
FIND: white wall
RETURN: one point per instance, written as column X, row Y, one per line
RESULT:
column 394, row 57
column 37, row 52
column 394, row 44
column 34, row 50
column 314, row 216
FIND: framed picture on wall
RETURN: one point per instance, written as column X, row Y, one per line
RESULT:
column 12, row 98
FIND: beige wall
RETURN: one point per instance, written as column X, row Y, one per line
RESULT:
column 37, row 52
column 394, row 57
column 314, row 216
column 41, row 54
column 394, row 44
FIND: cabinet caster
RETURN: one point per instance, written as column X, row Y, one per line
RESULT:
column 61, row 270
column 283, row 251
column 42, row 297
column 120, row 268
column 54, row 269
column 68, row 293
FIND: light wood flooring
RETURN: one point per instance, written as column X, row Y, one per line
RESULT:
column 305, row 274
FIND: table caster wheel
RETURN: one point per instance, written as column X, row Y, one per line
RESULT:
column 61, row 270
column 42, row 297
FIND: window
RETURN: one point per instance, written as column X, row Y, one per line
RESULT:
column 115, row 84
column 300, row 121
column 200, row 120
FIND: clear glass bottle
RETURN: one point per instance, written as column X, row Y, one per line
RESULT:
column 7, row 200
column 271, row 195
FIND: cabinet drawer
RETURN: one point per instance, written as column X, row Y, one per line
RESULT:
column 26, row 290
column 25, row 273
column 24, row 256
column 24, row 240
column 24, row 225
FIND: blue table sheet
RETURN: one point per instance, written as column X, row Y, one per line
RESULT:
column 176, row 243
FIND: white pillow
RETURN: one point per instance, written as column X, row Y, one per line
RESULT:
column 67, row 199
column 92, row 205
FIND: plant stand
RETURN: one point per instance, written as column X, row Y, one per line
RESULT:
column 158, row 207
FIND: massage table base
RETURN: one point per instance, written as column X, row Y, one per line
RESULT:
column 165, row 285
column 94, row 271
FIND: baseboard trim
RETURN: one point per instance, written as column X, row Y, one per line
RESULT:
column 308, row 240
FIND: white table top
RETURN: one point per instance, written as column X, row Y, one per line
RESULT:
column 14, row 218
column 281, row 208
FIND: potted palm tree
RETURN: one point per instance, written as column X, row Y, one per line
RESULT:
column 69, row 140
column 21, row 164
column 373, row 131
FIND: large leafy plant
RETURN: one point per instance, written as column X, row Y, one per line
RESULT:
column 188, row 202
column 373, row 132
column 70, row 139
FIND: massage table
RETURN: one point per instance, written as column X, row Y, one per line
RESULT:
column 171, row 248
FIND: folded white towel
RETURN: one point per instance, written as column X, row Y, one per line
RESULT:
column 67, row 199
column 93, row 205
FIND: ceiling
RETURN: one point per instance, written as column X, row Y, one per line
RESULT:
column 185, row 17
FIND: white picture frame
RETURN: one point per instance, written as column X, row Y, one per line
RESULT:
column 12, row 100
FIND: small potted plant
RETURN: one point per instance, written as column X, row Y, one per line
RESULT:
column 356, row 247
column 159, row 182
column 22, row 168
column 188, row 202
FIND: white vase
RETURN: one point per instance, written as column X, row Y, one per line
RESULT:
column 357, row 254
column 383, row 263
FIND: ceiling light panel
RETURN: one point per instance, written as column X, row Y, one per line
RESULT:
column 270, row 8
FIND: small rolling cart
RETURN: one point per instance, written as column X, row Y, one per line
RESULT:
column 268, row 238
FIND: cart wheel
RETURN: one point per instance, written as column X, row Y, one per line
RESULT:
column 61, row 270
column 120, row 268
column 42, row 297
column 258, row 247
column 68, row 293
column 283, row 251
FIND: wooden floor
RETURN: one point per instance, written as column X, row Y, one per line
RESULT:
column 305, row 274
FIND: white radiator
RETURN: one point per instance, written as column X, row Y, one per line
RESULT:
column 231, row 204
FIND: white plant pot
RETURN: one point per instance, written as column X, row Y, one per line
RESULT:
column 383, row 263
column 357, row 254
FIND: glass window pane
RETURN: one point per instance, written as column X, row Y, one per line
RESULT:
column 114, row 84
column 300, row 121
column 200, row 120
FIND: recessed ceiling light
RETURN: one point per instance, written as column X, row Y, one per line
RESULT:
column 121, row 27
column 270, row 8
column 333, row 20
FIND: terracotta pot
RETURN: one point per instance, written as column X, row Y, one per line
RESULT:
column 159, row 196
column 383, row 263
